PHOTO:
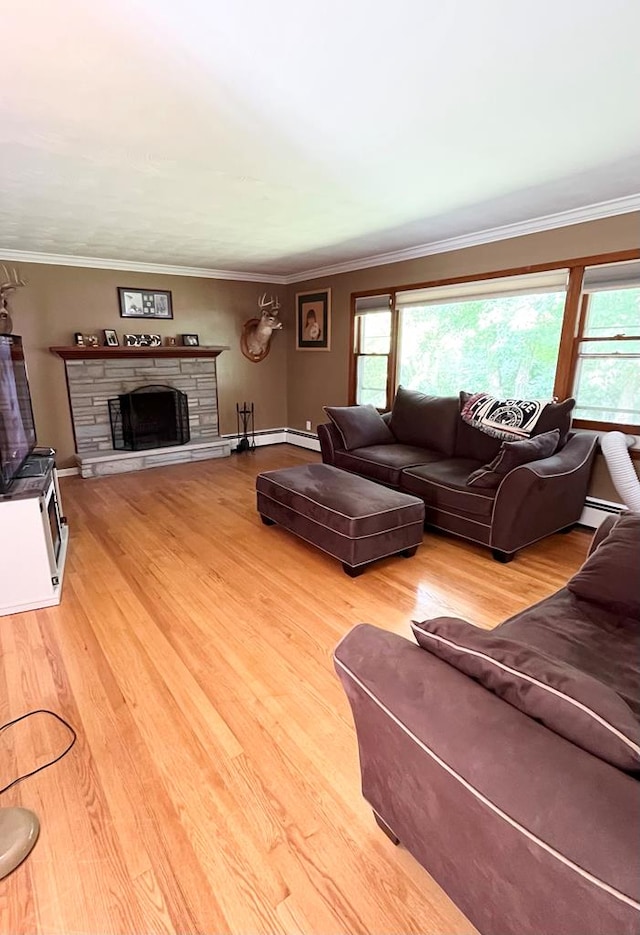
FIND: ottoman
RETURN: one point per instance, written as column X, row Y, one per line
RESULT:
column 354, row 519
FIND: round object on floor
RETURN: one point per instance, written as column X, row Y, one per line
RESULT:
column 19, row 830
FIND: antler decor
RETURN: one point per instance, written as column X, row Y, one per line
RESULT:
column 255, row 342
column 9, row 282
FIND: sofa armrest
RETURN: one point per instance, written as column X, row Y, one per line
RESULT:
column 330, row 441
column 525, row 831
column 540, row 498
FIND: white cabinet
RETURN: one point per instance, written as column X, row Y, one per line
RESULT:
column 33, row 543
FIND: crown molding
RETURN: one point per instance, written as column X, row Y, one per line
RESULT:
column 547, row 222
column 537, row 225
column 132, row 266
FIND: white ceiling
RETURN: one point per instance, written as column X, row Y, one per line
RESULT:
column 284, row 136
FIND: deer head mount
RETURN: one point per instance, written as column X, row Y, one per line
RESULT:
column 9, row 282
column 255, row 342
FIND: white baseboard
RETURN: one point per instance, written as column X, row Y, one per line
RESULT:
column 68, row 472
column 281, row 436
column 303, row 439
column 596, row 511
column 263, row 437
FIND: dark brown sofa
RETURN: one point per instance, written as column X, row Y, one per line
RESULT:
column 508, row 761
column 430, row 452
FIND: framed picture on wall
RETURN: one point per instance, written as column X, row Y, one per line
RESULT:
column 313, row 320
column 143, row 303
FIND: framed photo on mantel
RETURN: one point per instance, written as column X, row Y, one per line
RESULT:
column 313, row 320
column 144, row 303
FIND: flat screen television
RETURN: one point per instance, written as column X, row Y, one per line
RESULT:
column 17, row 429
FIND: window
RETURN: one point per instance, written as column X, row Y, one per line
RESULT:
column 606, row 371
column 372, row 346
column 532, row 332
column 501, row 336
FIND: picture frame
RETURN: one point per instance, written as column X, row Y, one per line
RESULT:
column 190, row 340
column 313, row 320
column 145, row 303
column 78, row 339
column 142, row 340
column 110, row 338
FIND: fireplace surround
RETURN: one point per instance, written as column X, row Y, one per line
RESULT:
column 96, row 375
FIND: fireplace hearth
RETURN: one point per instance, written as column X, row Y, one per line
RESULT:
column 149, row 417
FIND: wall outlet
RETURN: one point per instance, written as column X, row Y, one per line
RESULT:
column 307, row 425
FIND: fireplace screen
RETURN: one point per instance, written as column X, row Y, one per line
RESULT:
column 149, row 417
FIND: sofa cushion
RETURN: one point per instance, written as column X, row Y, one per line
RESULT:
column 567, row 700
column 600, row 642
column 611, row 575
column 425, row 421
column 443, row 485
column 556, row 416
column 471, row 442
column 359, row 426
column 513, row 455
column 383, row 463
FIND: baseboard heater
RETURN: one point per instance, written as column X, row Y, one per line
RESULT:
column 596, row 511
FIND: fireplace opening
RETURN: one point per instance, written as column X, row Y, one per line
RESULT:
column 149, row 417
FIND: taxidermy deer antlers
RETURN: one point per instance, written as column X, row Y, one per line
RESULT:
column 8, row 284
column 255, row 342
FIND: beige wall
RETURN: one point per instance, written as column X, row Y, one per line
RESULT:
column 60, row 300
column 317, row 379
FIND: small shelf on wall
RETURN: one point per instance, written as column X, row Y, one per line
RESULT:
column 78, row 352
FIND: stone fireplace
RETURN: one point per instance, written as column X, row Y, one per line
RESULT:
column 96, row 375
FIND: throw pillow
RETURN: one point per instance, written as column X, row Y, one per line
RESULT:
column 611, row 574
column 425, row 421
column 569, row 702
column 556, row 416
column 359, row 426
column 513, row 455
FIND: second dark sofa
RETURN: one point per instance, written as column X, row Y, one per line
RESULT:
column 426, row 449
column 507, row 761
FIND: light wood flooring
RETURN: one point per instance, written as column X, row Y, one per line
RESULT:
column 214, row 786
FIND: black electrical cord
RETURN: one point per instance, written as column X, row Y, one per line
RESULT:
column 51, row 762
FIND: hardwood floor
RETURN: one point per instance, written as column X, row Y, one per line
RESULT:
column 214, row 786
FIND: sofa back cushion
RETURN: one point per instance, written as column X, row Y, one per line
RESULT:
column 471, row 442
column 359, row 426
column 569, row 702
column 513, row 455
column 611, row 575
column 425, row 421
column 556, row 416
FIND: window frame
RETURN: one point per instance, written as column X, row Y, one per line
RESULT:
column 572, row 328
column 580, row 339
column 356, row 347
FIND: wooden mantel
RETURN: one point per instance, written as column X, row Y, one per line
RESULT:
column 79, row 352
